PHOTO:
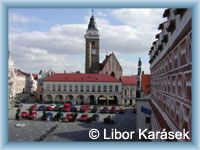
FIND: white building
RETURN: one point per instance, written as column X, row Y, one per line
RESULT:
column 11, row 79
column 129, row 84
column 98, row 89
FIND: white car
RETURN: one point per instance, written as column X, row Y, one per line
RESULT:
column 53, row 105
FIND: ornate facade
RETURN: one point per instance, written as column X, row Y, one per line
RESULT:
column 92, row 89
column 171, row 72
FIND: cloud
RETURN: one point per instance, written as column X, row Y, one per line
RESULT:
column 62, row 47
column 22, row 19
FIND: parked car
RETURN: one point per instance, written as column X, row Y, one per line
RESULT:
column 58, row 107
column 84, row 117
column 94, row 109
column 66, row 109
column 84, row 108
column 121, row 111
column 53, row 105
column 105, row 110
column 18, row 104
column 49, row 108
column 24, row 114
column 74, row 109
column 41, row 108
column 95, row 117
column 28, row 115
column 113, row 110
column 68, row 104
column 33, row 107
column 32, row 115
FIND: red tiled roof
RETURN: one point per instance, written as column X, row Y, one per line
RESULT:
column 129, row 80
column 146, row 83
column 35, row 76
column 80, row 77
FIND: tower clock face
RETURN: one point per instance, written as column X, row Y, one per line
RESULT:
column 94, row 51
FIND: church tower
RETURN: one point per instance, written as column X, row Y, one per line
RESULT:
column 92, row 47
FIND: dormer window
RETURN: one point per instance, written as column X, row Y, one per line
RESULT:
column 179, row 11
column 165, row 39
column 161, row 26
column 172, row 25
column 166, row 13
column 157, row 36
column 160, row 47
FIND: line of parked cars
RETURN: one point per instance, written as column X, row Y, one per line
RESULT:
column 67, row 107
column 72, row 112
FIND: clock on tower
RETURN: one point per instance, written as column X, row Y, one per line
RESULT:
column 92, row 47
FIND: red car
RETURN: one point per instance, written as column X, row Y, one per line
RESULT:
column 113, row 110
column 24, row 114
column 34, row 107
column 66, row 109
column 67, row 105
column 69, row 117
column 84, row 117
column 49, row 108
column 33, row 115
column 27, row 115
column 84, row 108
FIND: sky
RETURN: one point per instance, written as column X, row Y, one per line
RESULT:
column 54, row 38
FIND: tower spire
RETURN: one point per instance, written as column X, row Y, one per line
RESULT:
column 92, row 12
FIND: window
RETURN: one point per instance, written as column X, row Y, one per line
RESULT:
column 59, row 87
column 131, row 92
column 148, row 120
column 99, row 88
column 70, row 88
column 93, row 88
column 125, row 92
column 105, row 88
column 76, row 88
column 110, row 88
column 82, row 88
column 87, row 88
column 53, row 87
column 65, row 88
column 116, row 88
column 48, row 87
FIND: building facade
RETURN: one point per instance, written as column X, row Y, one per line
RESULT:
column 129, row 85
column 99, row 89
column 11, row 80
column 171, row 72
column 111, row 66
column 22, row 82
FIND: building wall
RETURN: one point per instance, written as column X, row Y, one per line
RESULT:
column 128, row 94
column 11, row 81
column 112, row 66
column 140, row 116
column 171, row 76
column 22, row 84
column 65, row 92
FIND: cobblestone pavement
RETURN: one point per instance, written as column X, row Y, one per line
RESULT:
column 73, row 131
